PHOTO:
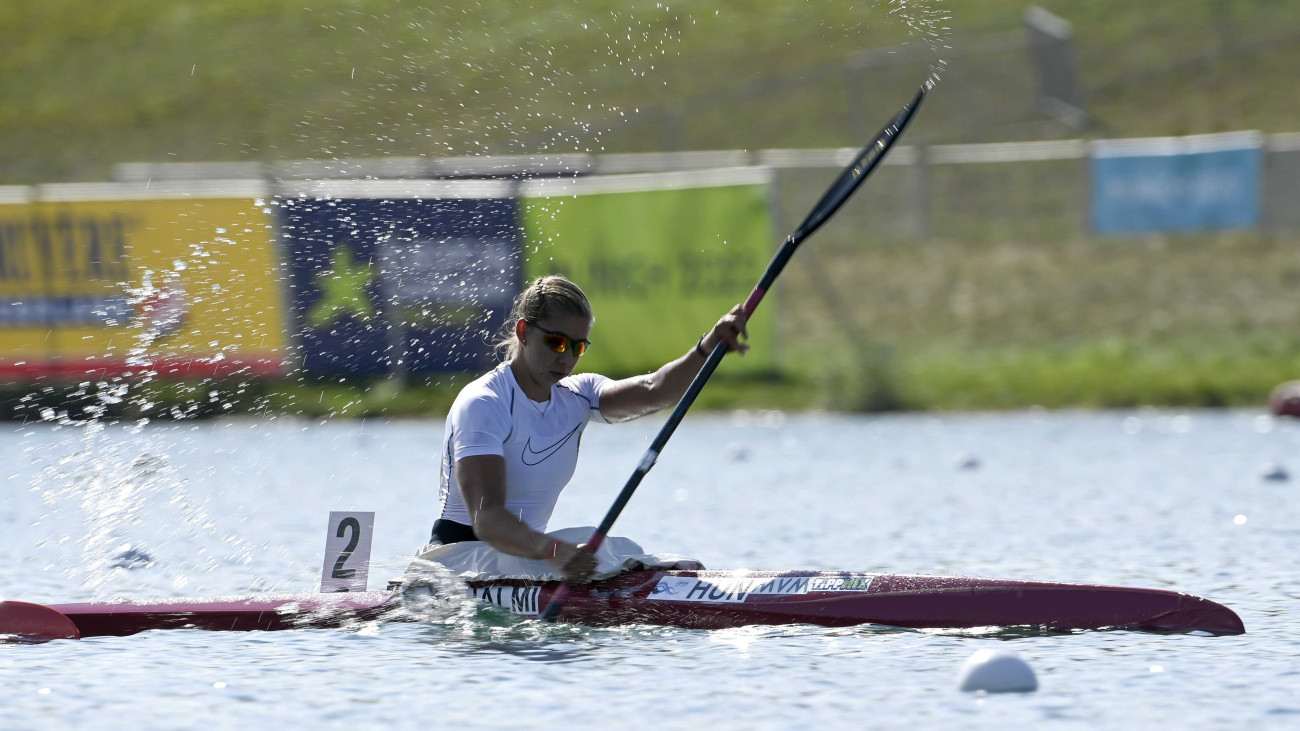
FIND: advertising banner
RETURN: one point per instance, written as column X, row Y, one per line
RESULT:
column 661, row 257
column 27, row 312
column 405, row 279
column 103, row 279
column 1195, row 183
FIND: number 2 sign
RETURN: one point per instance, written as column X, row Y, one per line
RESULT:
column 347, row 551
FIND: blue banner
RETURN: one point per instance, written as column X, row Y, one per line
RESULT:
column 384, row 286
column 1205, row 182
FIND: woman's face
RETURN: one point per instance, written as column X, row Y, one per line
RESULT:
column 540, row 360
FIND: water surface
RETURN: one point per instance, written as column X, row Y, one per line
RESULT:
column 1157, row 499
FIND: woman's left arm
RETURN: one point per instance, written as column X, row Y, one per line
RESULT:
column 641, row 395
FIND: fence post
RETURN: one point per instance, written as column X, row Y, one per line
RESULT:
column 1051, row 48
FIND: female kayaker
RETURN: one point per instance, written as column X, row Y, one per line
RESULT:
column 511, row 440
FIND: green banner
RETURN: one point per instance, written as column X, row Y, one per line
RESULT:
column 659, row 265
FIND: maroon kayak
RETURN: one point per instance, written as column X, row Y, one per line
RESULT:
column 265, row 612
column 719, row 599
column 690, row 599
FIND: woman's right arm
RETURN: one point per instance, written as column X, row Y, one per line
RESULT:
column 482, row 482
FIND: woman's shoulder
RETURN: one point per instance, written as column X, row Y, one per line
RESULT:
column 492, row 389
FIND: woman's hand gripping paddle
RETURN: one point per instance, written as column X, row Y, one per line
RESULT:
column 843, row 187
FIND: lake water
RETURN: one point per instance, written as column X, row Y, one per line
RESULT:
column 1145, row 498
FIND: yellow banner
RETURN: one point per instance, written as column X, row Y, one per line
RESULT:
column 184, row 287
column 23, row 284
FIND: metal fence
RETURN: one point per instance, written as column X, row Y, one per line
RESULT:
column 957, row 253
column 1005, row 191
column 968, row 192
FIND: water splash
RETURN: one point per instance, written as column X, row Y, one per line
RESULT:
column 132, row 500
column 927, row 20
column 496, row 82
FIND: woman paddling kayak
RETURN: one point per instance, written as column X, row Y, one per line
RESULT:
column 511, row 439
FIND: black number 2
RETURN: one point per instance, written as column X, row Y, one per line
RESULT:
column 340, row 572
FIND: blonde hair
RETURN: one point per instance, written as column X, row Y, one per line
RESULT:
column 549, row 296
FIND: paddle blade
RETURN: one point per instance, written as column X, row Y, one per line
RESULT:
column 556, row 603
column 25, row 622
column 859, row 169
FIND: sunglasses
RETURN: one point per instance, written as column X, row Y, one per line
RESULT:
column 559, row 342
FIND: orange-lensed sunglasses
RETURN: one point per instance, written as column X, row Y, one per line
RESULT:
column 559, row 342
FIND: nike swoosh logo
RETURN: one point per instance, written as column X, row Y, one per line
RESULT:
column 542, row 455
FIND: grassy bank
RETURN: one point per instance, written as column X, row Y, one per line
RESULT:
column 1191, row 321
column 1102, row 375
column 1003, row 301
column 327, row 399
column 91, row 84
column 1010, row 316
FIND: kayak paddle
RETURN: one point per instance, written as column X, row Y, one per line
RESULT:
column 843, row 187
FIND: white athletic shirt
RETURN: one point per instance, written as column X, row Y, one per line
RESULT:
column 539, row 441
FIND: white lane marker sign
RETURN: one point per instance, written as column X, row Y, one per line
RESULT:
column 347, row 551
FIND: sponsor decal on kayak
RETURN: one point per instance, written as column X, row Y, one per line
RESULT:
column 737, row 589
column 726, row 589
column 516, row 599
column 840, row 583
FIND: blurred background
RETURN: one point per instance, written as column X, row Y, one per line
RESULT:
column 177, row 179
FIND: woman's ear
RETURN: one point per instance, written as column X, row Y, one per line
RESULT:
column 519, row 331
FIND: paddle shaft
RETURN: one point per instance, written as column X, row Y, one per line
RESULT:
column 843, row 187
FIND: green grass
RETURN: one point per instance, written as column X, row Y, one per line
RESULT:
column 87, row 85
column 1006, row 304
column 1201, row 321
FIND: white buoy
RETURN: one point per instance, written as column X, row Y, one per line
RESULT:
column 997, row 671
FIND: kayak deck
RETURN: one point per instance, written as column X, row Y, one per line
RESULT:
column 697, row 600
column 717, row 599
